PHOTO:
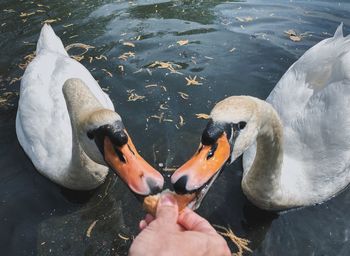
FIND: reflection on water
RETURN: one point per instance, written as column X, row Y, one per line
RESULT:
column 233, row 48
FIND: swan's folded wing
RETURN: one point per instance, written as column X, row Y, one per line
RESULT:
column 320, row 138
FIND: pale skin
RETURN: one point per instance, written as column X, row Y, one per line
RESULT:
column 171, row 233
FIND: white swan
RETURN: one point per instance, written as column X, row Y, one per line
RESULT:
column 71, row 136
column 297, row 146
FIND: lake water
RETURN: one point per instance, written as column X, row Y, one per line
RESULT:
column 233, row 48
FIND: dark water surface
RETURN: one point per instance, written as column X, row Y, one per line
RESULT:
column 38, row 217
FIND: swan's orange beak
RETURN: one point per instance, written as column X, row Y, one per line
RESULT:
column 141, row 178
column 203, row 166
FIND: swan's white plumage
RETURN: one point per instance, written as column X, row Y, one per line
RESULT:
column 313, row 102
column 42, row 124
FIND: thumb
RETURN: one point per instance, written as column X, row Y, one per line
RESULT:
column 193, row 222
column 167, row 209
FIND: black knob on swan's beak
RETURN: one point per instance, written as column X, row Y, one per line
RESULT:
column 180, row 185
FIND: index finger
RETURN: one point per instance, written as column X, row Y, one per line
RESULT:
column 193, row 222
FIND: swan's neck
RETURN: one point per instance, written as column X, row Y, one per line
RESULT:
column 262, row 182
column 83, row 172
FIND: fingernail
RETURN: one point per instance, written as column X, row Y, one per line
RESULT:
column 167, row 199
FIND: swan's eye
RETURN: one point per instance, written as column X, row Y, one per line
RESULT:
column 212, row 151
column 90, row 135
column 241, row 125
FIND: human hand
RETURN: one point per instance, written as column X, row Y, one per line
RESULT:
column 172, row 234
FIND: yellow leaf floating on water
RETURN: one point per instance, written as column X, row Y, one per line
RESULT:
column 182, row 42
column 129, row 44
column 202, row 116
column 192, row 81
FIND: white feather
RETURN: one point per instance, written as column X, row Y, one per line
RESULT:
column 313, row 102
column 42, row 124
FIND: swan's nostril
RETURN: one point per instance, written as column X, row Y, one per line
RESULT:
column 153, row 186
column 180, row 185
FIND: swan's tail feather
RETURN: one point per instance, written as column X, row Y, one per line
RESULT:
column 49, row 41
column 339, row 31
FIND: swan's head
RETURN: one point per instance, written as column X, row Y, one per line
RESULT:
column 233, row 127
column 103, row 138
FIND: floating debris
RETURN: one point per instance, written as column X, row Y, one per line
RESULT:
column 182, row 122
column 183, row 95
column 9, row 10
column 126, row 55
column 209, row 58
column 244, row 19
column 107, row 72
column 86, row 47
column 15, row 80
column 241, row 243
column 151, row 85
column 77, row 58
column 134, row 96
column 41, row 5
column 91, row 227
column 49, row 21
column 68, row 25
column 142, row 69
column 233, row 49
column 25, row 14
column 129, row 44
column 160, row 117
column 123, row 237
column 42, row 243
column 166, row 65
column 40, row 11
column 162, row 106
column 27, row 59
column 121, row 68
column 169, row 169
column 192, row 81
column 138, row 38
column 293, row 35
column 182, row 42
column 202, row 116
column 91, row 59
column 101, row 57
